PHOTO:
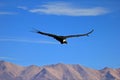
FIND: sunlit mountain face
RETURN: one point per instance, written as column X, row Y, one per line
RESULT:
column 60, row 71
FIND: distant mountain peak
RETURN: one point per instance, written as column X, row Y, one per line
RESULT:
column 60, row 71
column 2, row 61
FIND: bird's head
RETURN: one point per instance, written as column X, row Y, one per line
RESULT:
column 64, row 41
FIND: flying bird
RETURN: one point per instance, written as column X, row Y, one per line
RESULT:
column 62, row 39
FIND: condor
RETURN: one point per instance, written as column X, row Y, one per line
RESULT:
column 62, row 39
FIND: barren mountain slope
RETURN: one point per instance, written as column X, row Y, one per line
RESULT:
column 9, row 71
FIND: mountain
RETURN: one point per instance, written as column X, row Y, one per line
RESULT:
column 9, row 71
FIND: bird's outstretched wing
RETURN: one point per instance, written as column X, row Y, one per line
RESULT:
column 79, row 35
column 43, row 33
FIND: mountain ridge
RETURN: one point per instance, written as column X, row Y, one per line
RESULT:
column 60, row 71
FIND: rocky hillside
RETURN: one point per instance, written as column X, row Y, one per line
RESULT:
column 9, row 71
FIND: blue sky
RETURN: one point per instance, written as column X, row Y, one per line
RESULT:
column 21, row 46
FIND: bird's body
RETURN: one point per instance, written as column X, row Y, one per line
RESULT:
column 62, row 39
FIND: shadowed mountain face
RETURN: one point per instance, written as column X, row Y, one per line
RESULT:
column 9, row 71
